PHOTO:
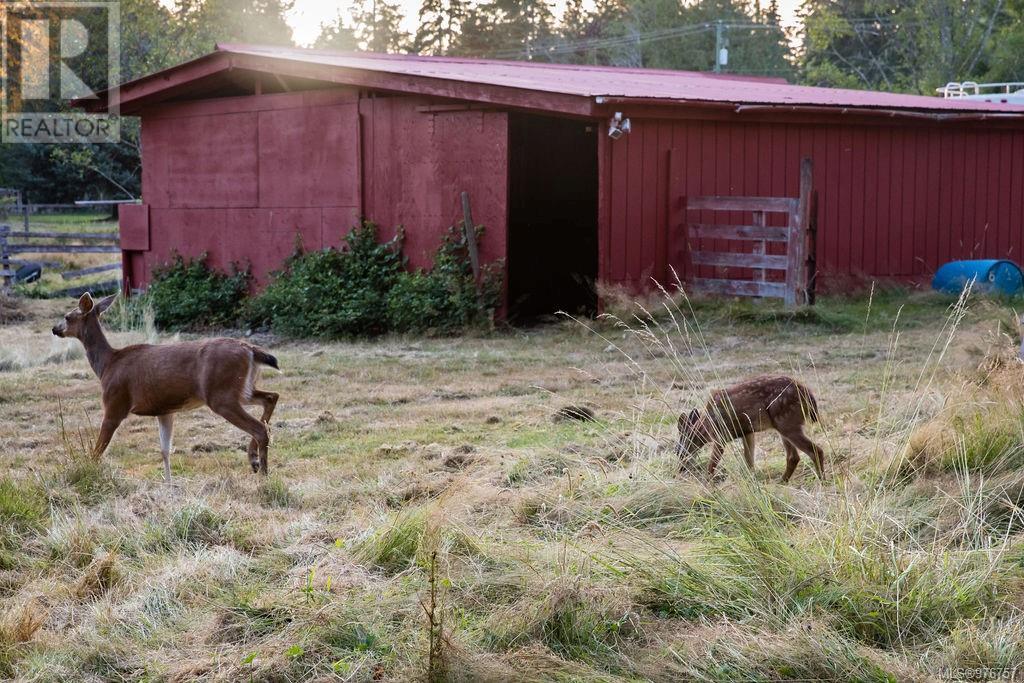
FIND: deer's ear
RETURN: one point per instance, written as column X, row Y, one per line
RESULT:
column 105, row 303
column 85, row 302
column 693, row 417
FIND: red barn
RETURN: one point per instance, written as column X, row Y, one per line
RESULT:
column 247, row 147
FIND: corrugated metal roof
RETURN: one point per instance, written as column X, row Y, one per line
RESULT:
column 616, row 82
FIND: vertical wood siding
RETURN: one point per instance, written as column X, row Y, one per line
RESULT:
column 895, row 201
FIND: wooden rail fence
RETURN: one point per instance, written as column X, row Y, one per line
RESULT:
column 798, row 237
column 17, row 242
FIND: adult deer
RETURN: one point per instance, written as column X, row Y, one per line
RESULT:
column 159, row 381
column 770, row 402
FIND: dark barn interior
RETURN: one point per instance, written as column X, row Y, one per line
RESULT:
column 552, row 225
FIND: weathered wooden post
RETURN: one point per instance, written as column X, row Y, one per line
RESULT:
column 796, row 270
column 5, row 258
column 470, row 232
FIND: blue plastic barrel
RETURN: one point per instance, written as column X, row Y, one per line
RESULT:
column 992, row 276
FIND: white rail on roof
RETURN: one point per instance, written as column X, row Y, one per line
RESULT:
column 975, row 90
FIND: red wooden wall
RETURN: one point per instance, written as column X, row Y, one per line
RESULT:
column 895, row 200
column 239, row 178
column 417, row 162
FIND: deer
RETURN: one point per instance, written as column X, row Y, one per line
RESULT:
column 162, row 380
column 740, row 411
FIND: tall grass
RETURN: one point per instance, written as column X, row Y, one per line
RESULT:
column 845, row 558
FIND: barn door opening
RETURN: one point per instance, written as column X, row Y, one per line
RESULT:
column 552, row 225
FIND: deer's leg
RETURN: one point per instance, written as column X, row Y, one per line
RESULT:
column 111, row 421
column 812, row 449
column 166, row 423
column 234, row 413
column 792, row 459
column 268, row 401
column 748, row 450
column 716, row 454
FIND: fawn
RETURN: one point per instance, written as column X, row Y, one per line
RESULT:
column 159, row 381
column 769, row 402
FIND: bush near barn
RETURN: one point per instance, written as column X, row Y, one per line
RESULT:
column 188, row 294
column 362, row 289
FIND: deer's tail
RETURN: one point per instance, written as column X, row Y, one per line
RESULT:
column 264, row 358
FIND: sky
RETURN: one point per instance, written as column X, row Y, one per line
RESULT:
column 308, row 15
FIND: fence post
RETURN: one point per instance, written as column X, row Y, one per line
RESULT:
column 796, row 271
column 5, row 258
column 470, row 232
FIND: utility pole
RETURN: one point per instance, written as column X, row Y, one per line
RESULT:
column 719, row 45
column 374, row 45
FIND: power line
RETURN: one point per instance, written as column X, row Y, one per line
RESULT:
column 628, row 39
column 666, row 34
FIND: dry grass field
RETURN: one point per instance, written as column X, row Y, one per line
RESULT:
column 426, row 517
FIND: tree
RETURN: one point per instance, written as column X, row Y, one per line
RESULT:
column 507, row 28
column 440, row 24
column 337, row 36
column 1006, row 60
column 379, row 26
column 203, row 23
column 667, row 34
column 912, row 46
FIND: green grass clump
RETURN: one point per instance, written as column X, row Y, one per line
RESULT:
column 583, row 624
column 993, row 644
column 22, row 506
column 274, row 492
column 93, row 480
column 412, row 538
column 1003, row 511
column 244, row 622
column 989, row 442
column 192, row 525
column 899, row 599
column 394, row 547
column 805, row 651
column 23, row 511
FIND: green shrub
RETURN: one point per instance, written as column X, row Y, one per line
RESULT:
column 332, row 292
column 189, row 294
column 445, row 298
column 364, row 289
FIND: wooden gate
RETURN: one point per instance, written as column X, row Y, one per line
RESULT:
column 797, row 237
